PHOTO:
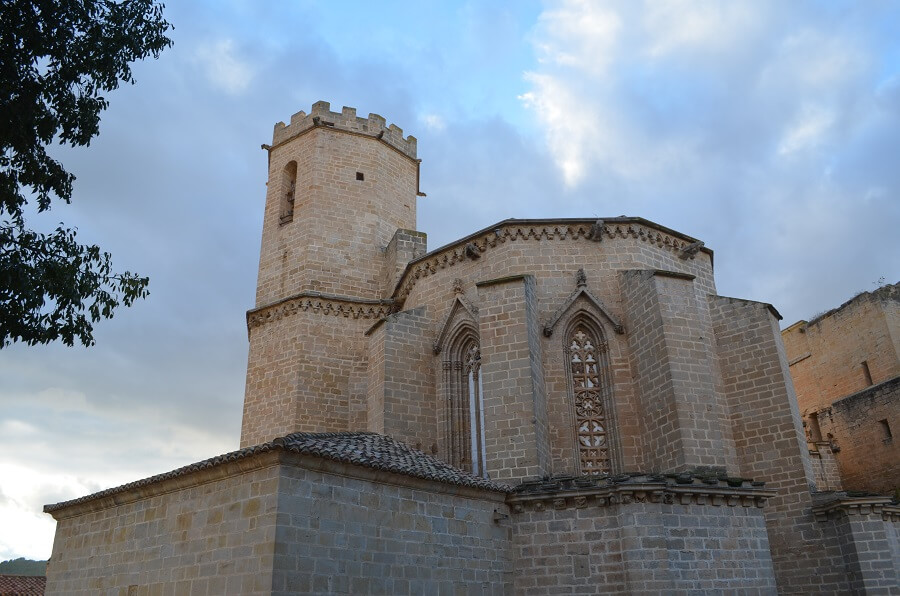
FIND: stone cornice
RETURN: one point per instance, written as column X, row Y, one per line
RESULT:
column 364, row 455
column 852, row 506
column 517, row 230
column 646, row 489
column 324, row 304
column 211, row 470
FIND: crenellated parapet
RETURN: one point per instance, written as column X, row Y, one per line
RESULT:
column 346, row 120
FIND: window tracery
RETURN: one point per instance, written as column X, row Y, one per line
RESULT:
column 591, row 388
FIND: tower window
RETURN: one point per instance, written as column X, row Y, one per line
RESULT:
column 360, row 176
column 288, row 191
column 886, row 435
column 867, row 372
column 815, row 431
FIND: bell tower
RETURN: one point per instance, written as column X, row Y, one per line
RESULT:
column 339, row 189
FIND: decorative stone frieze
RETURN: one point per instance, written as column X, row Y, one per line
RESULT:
column 513, row 230
column 581, row 492
column 322, row 304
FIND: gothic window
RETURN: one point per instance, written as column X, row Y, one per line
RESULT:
column 464, row 415
column 288, row 190
column 591, row 389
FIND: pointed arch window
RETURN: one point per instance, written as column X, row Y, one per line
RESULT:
column 586, row 353
column 464, row 415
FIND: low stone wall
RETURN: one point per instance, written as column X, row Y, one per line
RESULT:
column 208, row 532
column 339, row 534
column 279, row 522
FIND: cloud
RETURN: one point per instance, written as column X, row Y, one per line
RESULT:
column 808, row 130
column 433, row 122
column 762, row 128
column 223, row 67
column 697, row 25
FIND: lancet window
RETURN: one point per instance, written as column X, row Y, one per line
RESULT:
column 464, row 405
column 586, row 354
column 288, row 191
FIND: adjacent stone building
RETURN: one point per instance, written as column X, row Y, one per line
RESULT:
column 845, row 366
column 542, row 407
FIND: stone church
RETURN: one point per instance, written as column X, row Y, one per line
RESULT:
column 554, row 406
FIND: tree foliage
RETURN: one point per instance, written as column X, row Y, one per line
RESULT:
column 57, row 60
column 22, row 566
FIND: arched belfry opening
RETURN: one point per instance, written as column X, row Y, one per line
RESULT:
column 590, row 390
column 463, row 401
column 288, row 191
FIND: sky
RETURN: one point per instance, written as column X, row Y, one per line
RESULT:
column 770, row 130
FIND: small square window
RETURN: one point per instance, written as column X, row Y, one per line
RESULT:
column 360, row 176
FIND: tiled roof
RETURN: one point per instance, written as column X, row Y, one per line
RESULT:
column 369, row 450
column 22, row 585
column 383, row 453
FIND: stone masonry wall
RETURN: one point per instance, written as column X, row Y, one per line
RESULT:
column 865, row 545
column 827, row 354
column 825, row 467
column 283, row 523
column 307, row 371
column 770, row 445
column 405, row 246
column 214, row 536
column 673, row 357
column 403, row 379
column 552, row 251
column 515, row 414
column 353, row 191
column 642, row 548
column 348, row 535
column 862, row 426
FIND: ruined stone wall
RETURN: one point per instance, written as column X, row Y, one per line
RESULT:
column 350, row 535
column 846, row 349
column 210, row 534
column 862, row 428
column 838, row 361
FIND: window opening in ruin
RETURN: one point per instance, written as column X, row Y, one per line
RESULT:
column 867, row 372
column 886, row 435
column 465, row 406
column 589, row 376
column 815, row 432
column 360, row 176
column 288, row 191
